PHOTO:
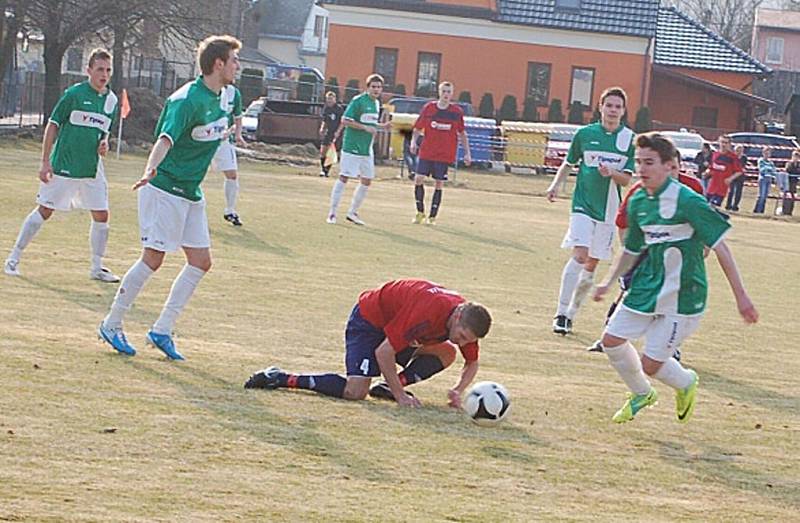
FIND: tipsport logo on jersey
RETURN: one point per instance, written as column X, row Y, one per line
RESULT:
column 598, row 158
column 212, row 131
column 441, row 126
column 88, row 119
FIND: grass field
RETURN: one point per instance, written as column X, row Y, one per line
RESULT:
column 86, row 434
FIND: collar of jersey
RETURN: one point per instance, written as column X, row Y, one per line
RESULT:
column 663, row 187
column 203, row 85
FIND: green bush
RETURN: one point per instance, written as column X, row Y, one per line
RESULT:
column 575, row 115
column 351, row 90
column 530, row 113
column 486, row 107
column 554, row 112
column 643, row 121
column 508, row 109
column 465, row 97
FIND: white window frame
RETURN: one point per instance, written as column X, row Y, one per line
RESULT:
column 775, row 46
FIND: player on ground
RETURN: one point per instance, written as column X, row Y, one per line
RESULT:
column 621, row 221
column 442, row 123
column 604, row 151
column 361, row 125
column 414, row 323
column 225, row 158
column 725, row 167
column 172, row 209
column 330, row 131
column 72, row 174
column 668, row 291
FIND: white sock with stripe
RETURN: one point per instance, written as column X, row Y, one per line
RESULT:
column 626, row 362
column 231, row 194
column 672, row 373
column 336, row 195
column 182, row 289
column 98, row 239
column 358, row 198
column 569, row 280
column 33, row 222
column 130, row 286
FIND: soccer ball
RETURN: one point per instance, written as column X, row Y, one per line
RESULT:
column 487, row 403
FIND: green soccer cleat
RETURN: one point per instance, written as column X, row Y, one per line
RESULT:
column 686, row 398
column 635, row 403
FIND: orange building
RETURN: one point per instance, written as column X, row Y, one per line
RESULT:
column 539, row 49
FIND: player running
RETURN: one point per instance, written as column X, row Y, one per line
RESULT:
column 414, row 323
column 604, row 151
column 225, row 158
column 668, row 291
column 172, row 209
column 72, row 174
column 357, row 159
column 442, row 123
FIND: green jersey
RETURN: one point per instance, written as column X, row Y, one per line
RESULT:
column 232, row 100
column 84, row 117
column 363, row 110
column 674, row 224
column 595, row 195
column 194, row 119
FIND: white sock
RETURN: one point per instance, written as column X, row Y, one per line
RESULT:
column 358, row 198
column 626, row 362
column 231, row 194
column 182, row 289
column 672, row 373
column 98, row 239
column 569, row 279
column 336, row 195
column 585, row 281
column 33, row 222
column 129, row 288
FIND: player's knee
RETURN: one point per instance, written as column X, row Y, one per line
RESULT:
column 590, row 264
column 231, row 175
column 343, row 179
column 650, row 366
column 204, row 265
column 101, row 216
column 580, row 257
column 356, row 391
column 366, row 182
column 45, row 212
column 610, row 341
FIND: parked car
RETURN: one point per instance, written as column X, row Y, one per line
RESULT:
column 558, row 142
column 688, row 144
column 250, row 118
column 755, row 142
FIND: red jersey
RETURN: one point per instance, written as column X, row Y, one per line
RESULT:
column 622, row 213
column 413, row 313
column 722, row 166
column 441, row 128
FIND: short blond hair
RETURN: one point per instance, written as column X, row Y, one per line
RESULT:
column 215, row 48
column 98, row 54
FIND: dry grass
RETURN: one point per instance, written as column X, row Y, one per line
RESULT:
column 89, row 435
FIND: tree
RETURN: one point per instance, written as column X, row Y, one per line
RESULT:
column 351, row 90
column 731, row 19
column 306, row 85
column 508, row 109
column 530, row 111
column 333, row 86
column 12, row 17
column 554, row 112
column 427, row 90
column 643, row 121
column 575, row 115
column 465, row 97
column 400, row 89
column 486, row 107
column 596, row 116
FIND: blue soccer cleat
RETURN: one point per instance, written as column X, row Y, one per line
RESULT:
column 164, row 343
column 116, row 338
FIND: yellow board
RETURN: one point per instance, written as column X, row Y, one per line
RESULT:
column 525, row 143
column 402, row 123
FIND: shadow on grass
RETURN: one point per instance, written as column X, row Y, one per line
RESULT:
column 718, row 465
column 749, row 393
column 246, row 411
column 492, row 242
column 401, row 239
column 247, row 239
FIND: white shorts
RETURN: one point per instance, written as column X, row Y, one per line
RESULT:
column 64, row 194
column 225, row 157
column 663, row 333
column 354, row 166
column 586, row 232
column 168, row 222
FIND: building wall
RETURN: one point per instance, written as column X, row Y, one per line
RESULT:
column 738, row 81
column 494, row 58
column 791, row 47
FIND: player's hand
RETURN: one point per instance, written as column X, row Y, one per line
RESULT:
column 46, row 172
column 552, row 193
column 404, row 400
column 747, row 309
column 454, row 398
column 385, row 125
column 600, row 291
column 371, row 130
column 604, row 170
column 102, row 147
column 412, row 148
column 144, row 180
column 727, row 181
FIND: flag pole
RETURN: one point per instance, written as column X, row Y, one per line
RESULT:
column 119, row 136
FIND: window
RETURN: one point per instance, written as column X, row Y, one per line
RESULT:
column 568, row 4
column 74, row 59
column 538, row 83
column 704, row 117
column 386, row 65
column 774, row 50
column 319, row 26
column 582, row 85
column 428, row 65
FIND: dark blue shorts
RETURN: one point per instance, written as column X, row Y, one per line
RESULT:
column 430, row 168
column 714, row 199
column 361, row 338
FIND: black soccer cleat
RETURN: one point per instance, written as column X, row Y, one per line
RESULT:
column 562, row 325
column 233, row 219
column 381, row 391
column 264, row 379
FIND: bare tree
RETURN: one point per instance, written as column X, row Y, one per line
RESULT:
column 731, row 19
column 12, row 16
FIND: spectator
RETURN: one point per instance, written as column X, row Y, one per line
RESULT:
column 737, row 184
column 722, row 170
column 703, row 159
column 793, row 170
column 767, row 173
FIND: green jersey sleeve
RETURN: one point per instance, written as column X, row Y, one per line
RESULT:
column 630, row 165
column 634, row 237
column 178, row 117
column 708, row 224
column 63, row 108
column 237, row 104
column 353, row 111
column 575, row 152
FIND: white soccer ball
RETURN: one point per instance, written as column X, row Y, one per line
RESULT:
column 487, row 403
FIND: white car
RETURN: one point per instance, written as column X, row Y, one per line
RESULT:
column 250, row 118
column 688, row 144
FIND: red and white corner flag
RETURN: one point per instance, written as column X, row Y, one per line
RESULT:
column 124, row 111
